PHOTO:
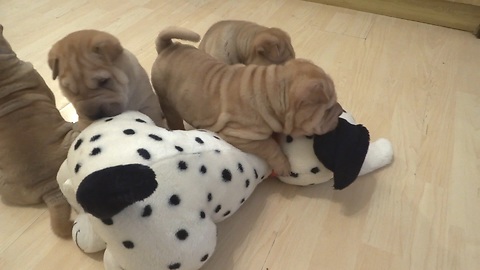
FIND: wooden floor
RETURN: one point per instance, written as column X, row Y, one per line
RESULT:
column 415, row 84
column 445, row 13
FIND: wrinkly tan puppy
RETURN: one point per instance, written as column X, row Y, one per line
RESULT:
column 101, row 78
column 243, row 42
column 34, row 140
column 244, row 104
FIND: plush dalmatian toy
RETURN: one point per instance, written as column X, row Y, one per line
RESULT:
column 340, row 155
column 153, row 195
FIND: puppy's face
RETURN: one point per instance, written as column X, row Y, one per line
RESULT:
column 312, row 107
column 83, row 63
column 272, row 46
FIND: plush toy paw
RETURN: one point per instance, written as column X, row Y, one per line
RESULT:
column 85, row 236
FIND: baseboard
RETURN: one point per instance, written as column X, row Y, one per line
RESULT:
column 443, row 13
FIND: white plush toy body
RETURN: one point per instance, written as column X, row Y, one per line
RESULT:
column 154, row 195
column 151, row 197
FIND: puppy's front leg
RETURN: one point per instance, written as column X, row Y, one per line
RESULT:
column 59, row 210
column 174, row 119
column 267, row 149
column 154, row 111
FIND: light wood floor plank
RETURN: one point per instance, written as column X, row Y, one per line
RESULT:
column 415, row 84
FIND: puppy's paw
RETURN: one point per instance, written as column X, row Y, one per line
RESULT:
column 282, row 168
column 62, row 228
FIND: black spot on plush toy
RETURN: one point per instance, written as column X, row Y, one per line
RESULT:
column 342, row 155
column 150, row 196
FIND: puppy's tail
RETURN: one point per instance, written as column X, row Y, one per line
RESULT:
column 165, row 37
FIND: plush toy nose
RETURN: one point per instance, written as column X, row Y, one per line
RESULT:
column 106, row 192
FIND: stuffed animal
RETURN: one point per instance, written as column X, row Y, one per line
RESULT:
column 153, row 195
column 342, row 155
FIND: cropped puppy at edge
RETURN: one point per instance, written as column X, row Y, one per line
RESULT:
column 34, row 140
column 244, row 42
column 245, row 105
column 101, row 78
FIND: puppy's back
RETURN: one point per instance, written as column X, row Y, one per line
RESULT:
column 245, row 42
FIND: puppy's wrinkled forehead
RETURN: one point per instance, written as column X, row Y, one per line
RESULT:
column 83, row 50
column 88, row 40
column 304, row 70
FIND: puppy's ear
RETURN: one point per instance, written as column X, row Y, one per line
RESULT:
column 53, row 62
column 303, row 97
column 267, row 45
column 275, row 45
column 108, row 48
column 314, row 91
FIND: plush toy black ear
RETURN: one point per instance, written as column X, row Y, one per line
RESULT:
column 106, row 192
column 343, row 151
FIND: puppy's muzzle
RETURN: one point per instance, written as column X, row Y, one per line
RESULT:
column 107, row 110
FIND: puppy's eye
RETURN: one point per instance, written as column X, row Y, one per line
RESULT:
column 103, row 81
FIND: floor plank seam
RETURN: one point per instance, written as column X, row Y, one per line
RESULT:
column 269, row 251
column 23, row 232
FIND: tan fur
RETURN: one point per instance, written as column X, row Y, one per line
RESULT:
column 244, row 104
column 243, row 42
column 101, row 78
column 34, row 140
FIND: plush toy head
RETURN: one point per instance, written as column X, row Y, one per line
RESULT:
column 343, row 151
column 342, row 155
column 155, row 195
